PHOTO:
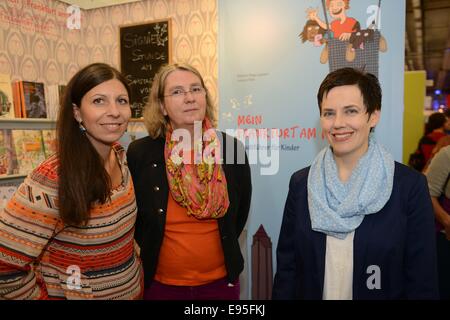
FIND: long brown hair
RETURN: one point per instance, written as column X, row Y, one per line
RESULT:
column 83, row 179
column 154, row 120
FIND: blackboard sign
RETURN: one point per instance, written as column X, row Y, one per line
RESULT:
column 144, row 48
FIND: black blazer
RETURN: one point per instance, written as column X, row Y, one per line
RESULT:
column 399, row 240
column 148, row 169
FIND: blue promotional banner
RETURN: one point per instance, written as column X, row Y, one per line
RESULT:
column 273, row 56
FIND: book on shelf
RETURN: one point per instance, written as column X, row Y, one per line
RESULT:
column 49, row 140
column 32, row 99
column 21, row 151
column 6, row 97
column 29, row 99
column 7, row 190
column 16, row 99
column 8, row 160
column 54, row 94
column 29, row 149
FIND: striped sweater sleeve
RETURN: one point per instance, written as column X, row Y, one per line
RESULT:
column 27, row 223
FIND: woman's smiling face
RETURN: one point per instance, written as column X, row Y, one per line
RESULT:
column 345, row 121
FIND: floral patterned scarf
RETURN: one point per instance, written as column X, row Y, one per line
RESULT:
column 199, row 186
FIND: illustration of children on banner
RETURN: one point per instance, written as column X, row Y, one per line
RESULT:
column 346, row 44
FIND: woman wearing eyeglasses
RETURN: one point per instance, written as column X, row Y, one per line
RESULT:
column 191, row 208
column 356, row 225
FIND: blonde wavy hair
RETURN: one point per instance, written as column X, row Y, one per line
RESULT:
column 154, row 120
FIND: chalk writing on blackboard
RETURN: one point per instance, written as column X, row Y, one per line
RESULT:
column 144, row 48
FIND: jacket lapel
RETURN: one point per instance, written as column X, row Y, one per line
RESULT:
column 320, row 240
column 154, row 170
column 360, row 246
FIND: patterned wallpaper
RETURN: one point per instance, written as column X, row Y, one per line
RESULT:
column 36, row 45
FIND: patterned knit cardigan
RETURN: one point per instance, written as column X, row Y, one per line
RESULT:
column 96, row 261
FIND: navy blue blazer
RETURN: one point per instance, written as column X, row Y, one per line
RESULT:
column 399, row 239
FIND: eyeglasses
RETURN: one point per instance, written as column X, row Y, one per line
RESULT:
column 180, row 93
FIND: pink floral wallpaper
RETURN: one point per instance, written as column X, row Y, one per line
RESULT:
column 37, row 45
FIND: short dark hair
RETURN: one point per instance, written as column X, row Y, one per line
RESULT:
column 367, row 83
column 447, row 112
column 435, row 121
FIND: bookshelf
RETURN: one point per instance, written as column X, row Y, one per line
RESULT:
column 24, row 124
column 13, row 177
column 27, row 123
column 43, row 123
column 135, row 127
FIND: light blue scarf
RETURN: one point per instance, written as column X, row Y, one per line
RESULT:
column 337, row 208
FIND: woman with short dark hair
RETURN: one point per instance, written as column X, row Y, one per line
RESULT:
column 357, row 224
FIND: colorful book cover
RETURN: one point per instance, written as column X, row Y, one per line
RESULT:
column 29, row 149
column 8, row 161
column 17, row 97
column 49, row 140
column 33, row 99
column 6, row 97
column 5, row 152
column 6, row 192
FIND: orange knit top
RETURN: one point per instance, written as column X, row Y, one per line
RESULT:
column 191, row 253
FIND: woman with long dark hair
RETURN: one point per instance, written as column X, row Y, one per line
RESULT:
column 67, row 233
